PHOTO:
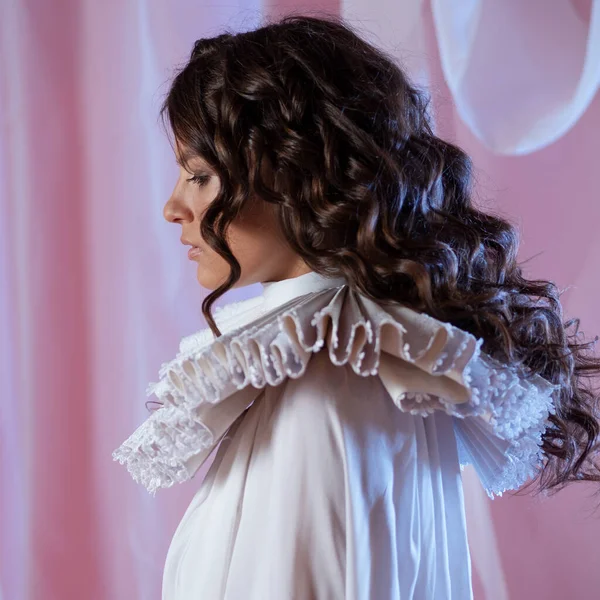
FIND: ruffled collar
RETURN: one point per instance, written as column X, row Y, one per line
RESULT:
column 276, row 293
column 426, row 365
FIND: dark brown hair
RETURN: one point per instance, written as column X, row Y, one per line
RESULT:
column 306, row 115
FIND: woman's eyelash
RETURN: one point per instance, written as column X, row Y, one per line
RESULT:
column 200, row 179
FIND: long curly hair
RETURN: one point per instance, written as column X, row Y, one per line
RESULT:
column 306, row 115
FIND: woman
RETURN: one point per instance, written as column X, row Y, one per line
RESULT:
column 395, row 338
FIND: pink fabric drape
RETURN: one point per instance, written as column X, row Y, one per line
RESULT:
column 96, row 290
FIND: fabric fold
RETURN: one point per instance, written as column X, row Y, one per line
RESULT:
column 424, row 364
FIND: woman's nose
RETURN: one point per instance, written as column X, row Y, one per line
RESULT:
column 169, row 211
column 175, row 210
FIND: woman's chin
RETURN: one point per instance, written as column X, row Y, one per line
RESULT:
column 208, row 279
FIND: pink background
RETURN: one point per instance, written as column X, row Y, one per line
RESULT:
column 96, row 289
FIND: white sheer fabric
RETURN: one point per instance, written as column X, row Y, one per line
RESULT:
column 521, row 75
column 339, row 473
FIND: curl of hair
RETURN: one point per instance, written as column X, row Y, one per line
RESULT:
column 304, row 114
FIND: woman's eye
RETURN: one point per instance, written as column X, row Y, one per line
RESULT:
column 200, row 179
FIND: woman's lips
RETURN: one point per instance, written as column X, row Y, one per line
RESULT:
column 194, row 252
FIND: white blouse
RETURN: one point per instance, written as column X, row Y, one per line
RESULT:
column 341, row 425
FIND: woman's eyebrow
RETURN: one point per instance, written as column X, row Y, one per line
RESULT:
column 187, row 155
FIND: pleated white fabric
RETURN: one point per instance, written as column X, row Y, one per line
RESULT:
column 342, row 427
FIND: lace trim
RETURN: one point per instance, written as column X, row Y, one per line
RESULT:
column 443, row 365
column 226, row 317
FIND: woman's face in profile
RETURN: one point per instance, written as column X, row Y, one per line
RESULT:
column 254, row 237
